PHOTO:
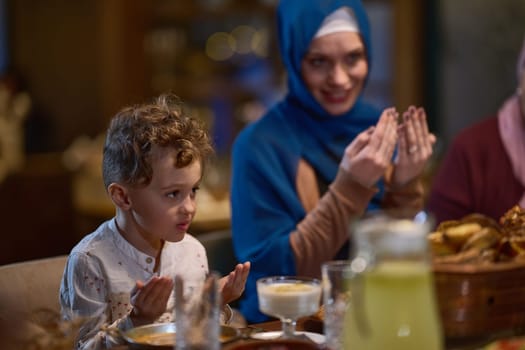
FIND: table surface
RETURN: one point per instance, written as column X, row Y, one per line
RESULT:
column 309, row 324
column 313, row 324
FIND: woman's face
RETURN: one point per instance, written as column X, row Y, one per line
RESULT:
column 334, row 70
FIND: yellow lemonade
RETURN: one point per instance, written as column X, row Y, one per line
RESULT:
column 393, row 308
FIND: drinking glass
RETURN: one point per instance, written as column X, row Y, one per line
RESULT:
column 197, row 314
column 336, row 278
column 288, row 298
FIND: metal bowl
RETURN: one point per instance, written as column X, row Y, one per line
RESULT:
column 162, row 336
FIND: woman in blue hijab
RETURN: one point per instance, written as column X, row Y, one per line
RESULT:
column 321, row 156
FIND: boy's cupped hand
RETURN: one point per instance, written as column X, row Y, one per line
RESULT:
column 149, row 299
column 232, row 285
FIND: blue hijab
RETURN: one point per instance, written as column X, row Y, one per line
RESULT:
column 265, row 204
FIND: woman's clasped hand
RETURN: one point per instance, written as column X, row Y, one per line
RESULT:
column 371, row 153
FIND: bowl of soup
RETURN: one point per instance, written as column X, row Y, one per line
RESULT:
column 162, row 336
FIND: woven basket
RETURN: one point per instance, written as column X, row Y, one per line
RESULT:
column 480, row 300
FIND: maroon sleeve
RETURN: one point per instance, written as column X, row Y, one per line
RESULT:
column 451, row 191
column 476, row 176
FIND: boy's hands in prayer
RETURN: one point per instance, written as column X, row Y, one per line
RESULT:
column 232, row 285
column 149, row 299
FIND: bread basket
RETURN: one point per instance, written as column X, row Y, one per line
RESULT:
column 481, row 300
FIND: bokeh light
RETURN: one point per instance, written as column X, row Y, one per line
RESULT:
column 259, row 43
column 220, row 46
column 243, row 36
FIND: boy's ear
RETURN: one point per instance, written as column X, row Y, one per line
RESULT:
column 119, row 195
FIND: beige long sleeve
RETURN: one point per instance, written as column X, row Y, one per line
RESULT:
column 325, row 228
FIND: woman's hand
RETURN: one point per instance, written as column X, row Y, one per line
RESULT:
column 414, row 146
column 370, row 154
column 232, row 285
column 149, row 299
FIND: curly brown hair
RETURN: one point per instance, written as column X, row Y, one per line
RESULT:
column 134, row 130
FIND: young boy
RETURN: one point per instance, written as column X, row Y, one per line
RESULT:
column 122, row 274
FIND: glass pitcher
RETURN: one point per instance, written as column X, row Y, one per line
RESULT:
column 393, row 303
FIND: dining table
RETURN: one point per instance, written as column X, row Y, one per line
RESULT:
column 308, row 324
column 315, row 325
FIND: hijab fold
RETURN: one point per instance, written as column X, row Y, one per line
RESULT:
column 511, row 120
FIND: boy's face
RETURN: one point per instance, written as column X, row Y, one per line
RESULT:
column 165, row 208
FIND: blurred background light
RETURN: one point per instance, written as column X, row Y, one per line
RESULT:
column 260, row 43
column 243, row 36
column 220, row 46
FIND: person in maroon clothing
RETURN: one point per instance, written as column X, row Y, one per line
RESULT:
column 484, row 168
